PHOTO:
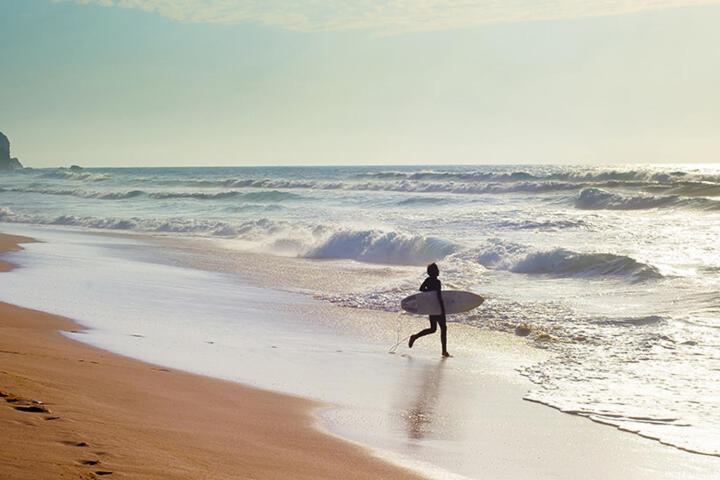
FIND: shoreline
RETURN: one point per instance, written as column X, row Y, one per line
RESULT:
column 105, row 415
column 464, row 418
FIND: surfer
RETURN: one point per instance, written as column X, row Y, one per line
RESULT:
column 432, row 284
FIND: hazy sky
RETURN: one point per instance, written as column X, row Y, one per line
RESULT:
column 233, row 82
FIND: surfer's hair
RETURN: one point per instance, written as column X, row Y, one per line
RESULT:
column 433, row 270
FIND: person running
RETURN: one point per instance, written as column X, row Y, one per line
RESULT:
column 433, row 284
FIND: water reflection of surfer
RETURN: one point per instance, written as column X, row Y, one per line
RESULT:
column 420, row 415
column 433, row 284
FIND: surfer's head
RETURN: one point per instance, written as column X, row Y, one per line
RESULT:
column 433, row 270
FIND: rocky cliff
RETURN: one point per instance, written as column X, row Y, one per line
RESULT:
column 6, row 161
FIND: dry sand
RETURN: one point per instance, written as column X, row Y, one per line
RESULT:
column 106, row 416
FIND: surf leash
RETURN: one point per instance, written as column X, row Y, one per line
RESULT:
column 394, row 348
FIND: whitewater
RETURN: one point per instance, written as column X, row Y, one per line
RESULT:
column 614, row 271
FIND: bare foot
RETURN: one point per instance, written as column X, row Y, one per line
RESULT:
column 411, row 341
column 446, row 355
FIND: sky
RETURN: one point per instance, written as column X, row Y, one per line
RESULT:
column 265, row 82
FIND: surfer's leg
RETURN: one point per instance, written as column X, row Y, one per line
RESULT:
column 422, row 333
column 443, row 336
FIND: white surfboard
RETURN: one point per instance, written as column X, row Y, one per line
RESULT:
column 455, row 301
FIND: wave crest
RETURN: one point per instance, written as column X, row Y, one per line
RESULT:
column 582, row 175
column 262, row 196
column 560, row 262
column 67, row 174
column 598, row 199
column 310, row 241
column 567, row 263
column 375, row 246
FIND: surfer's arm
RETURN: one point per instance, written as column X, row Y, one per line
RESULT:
column 424, row 286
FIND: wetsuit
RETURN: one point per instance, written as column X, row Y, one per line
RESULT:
column 433, row 284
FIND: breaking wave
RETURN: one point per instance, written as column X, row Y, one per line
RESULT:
column 422, row 201
column 262, row 196
column 374, row 246
column 392, row 186
column 171, row 225
column 560, row 262
column 598, row 199
column 545, row 225
column 309, row 241
column 118, row 195
column 67, row 174
column 642, row 175
column 687, row 189
column 671, row 187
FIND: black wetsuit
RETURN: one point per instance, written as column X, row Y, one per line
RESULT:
column 433, row 284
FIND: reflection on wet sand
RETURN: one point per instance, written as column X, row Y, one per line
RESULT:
column 420, row 415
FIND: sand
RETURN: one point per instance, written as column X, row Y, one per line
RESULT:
column 72, row 411
column 108, row 413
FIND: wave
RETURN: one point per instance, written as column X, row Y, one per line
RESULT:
column 490, row 181
column 375, row 246
column 633, row 321
column 548, row 225
column 158, row 225
column 687, row 189
column 397, row 186
column 67, row 174
column 303, row 240
column 565, row 263
column 454, row 176
column 468, row 184
column 582, row 175
column 277, row 185
column 253, row 207
column 119, row 195
column 598, row 199
column 262, row 196
column 112, row 195
column 420, row 201
column 559, row 262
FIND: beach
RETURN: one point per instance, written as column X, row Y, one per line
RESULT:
column 220, row 219
column 150, row 420
column 103, row 415
column 592, row 261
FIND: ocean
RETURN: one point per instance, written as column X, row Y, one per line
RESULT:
column 612, row 272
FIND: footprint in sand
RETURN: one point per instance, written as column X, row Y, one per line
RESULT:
column 24, row 405
column 89, row 462
column 32, row 408
column 73, row 443
column 102, row 473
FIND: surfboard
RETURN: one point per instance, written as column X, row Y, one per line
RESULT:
column 455, row 301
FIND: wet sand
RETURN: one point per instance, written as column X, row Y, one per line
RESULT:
column 465, row 416
column 72, row 411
